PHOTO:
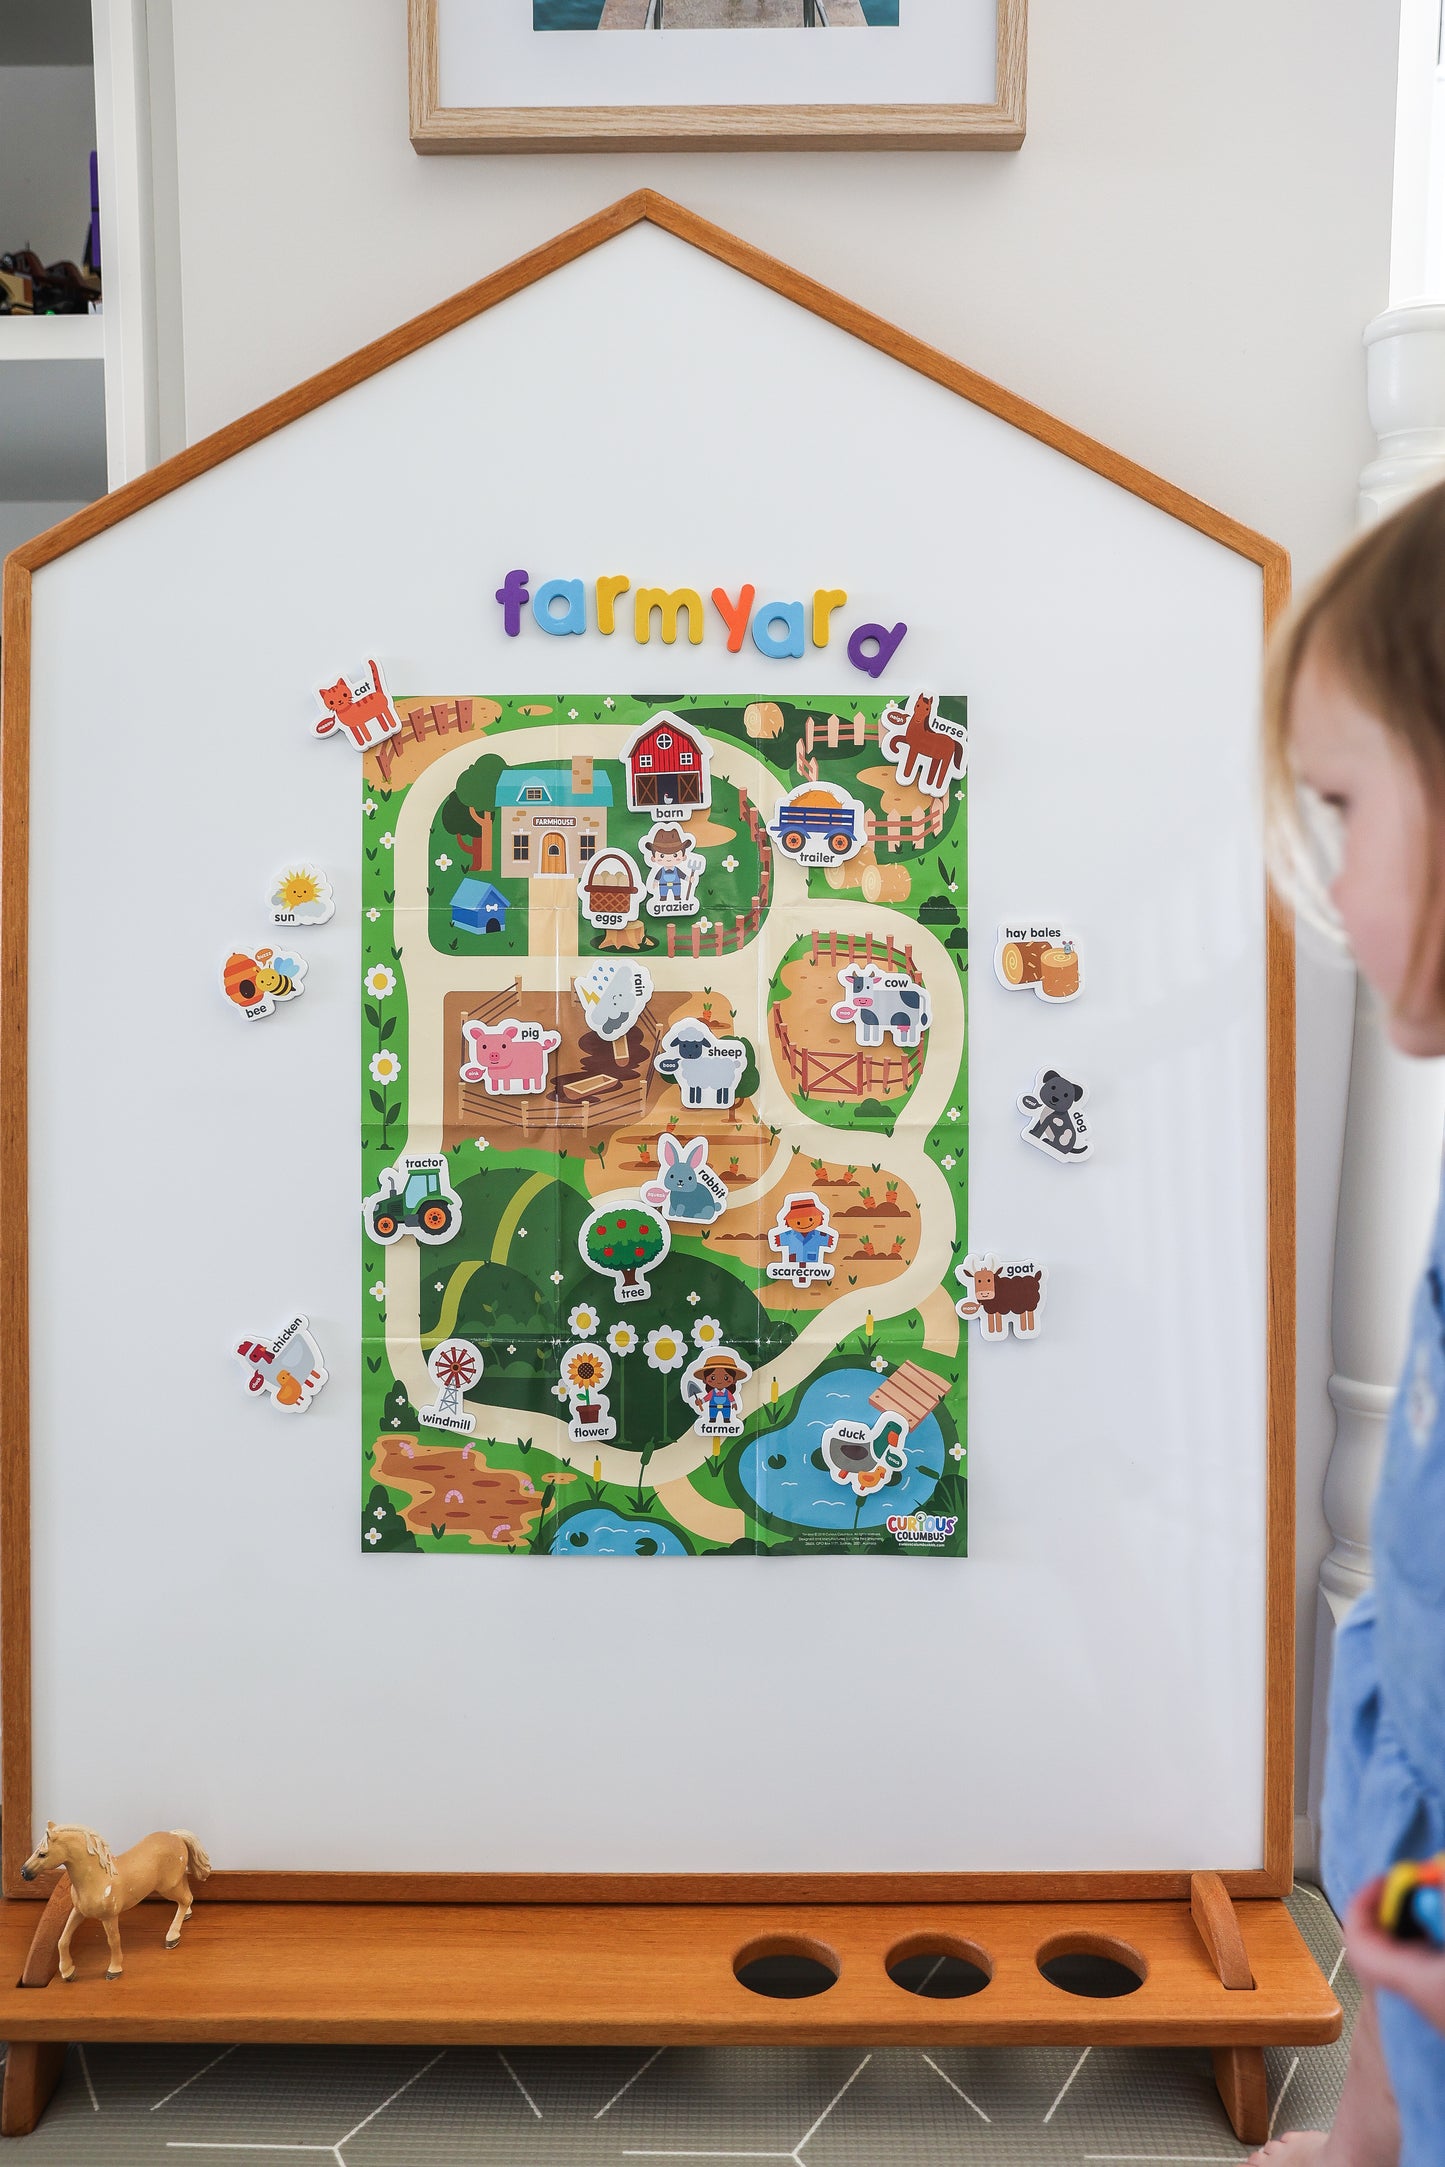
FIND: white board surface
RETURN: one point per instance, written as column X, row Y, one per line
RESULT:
column 212, row 1649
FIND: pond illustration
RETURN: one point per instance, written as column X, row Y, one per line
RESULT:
column 797, row 1490
column 602, row 1534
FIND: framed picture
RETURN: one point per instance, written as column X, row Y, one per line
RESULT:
column 530, row 75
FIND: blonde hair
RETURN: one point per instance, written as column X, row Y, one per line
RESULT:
column 1377, row 619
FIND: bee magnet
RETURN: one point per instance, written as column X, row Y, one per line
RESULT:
column 258, row 984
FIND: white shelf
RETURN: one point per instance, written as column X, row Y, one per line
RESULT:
column 51, row 338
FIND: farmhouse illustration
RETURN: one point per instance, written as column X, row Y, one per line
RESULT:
column 553, row 819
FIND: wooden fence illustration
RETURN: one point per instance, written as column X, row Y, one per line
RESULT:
column 867, row 949
column 841, row 1072
column 720, row 940
column 895, row 829
column 423, row 721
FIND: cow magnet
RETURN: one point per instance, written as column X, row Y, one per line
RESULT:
column 623, row 1243
column 289, row 1366
column 675, row 866
column 454, row 1368
column 713, row 1389
column 361, row 706
column 415, row 1197
column 804, row 1240
column 818, row 824
column 586, row 1370
column 610, row 891
column 613, row 996
column 876, row 1001
column 300, row 895
column 689, row 1189
column 863, row 1458
column 1000, row 1295
column 927, row 737
column 1057, row 1126
column 708, row 1069
column 509, row 1058
column 1045, row 957
column 258, row 984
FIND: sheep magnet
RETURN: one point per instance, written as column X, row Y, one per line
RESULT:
column 927, row 739
column 289, row 1366
column 455, row 1368
column 1045, row 957
column 876, row 1002
column 361, row 706
column 415, row 1197
column 1058, row 1127
column 708, row 1069
column 862, row 1458
column 675, row 866
column 1000, row 1295
column 623, row 1243
column 258, row 984
column 613, row 997
column 510, row 1058
column 689, row 1189
column 586, row 1371
column 804, row 1240
column 300, row 895
column 712, row 1388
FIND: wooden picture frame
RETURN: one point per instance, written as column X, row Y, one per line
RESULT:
column 439, row 128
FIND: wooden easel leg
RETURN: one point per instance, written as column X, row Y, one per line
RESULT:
column 1243, row 2086
column 32, row 2071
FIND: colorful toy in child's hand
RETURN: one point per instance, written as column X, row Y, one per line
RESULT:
column 1412, row 1902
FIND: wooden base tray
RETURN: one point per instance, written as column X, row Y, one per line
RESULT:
column 647, row 1975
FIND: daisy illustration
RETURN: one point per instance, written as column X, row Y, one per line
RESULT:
column 665, row 1349
column 582, row 1320
column 385, row 1068
column 622, row 1338
column 380, row 982
column 708, row 1332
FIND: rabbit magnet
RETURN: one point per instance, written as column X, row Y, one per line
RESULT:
column 689, row 1189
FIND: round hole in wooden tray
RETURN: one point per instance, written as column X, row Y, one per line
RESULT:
column 1094, row 1966
column 786, row 1967
column 939, row 1967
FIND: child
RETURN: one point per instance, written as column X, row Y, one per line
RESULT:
column 1355, row 751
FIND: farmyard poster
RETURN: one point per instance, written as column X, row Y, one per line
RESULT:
column 665, row 1137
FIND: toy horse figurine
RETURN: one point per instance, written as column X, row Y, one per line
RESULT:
column 102, row 1886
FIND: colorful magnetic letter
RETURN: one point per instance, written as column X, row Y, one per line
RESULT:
column 778, row 647
column 258, row 984
column 885, row 643
column 1057, row 1126
column 1002, row 1294
column 300, row 895
column 876, row 1001
column 819, row 824
column 804, row 1240
column 713, row 1389
column 573, row 617
column 930, row 747
column 689, row 1189
column 289, row 1366
column 415, row 1197
column 361, row 706
column 1042, row 956
column 623, row 1243
column 735, row 615
column 708, row 1069
column 510, row 1057
column 514, row 597
column 454, row 1368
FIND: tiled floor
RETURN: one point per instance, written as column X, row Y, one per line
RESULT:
column 474, row 2107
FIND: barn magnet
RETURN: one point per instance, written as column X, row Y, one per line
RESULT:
column 258, row 984
column 675, row 866
column 927, row 738
column 818, row 824
column 586, row 1372
column 454, row 1367
column 708, row 1069
column 509, row 1058
column 624, row 1242
column 863, row 1458
column 361, row 706
column 1000, row 1295
column 667, row 768
column 805, row 1241
column 300, row 895
column 689, row 1189
column 289, row 1366
column 1045, row 957
column 610, row 891
column 1057, row 1125
column 613, row 997
column 415, row 1197
column 877, row 1001
column 712, row 1388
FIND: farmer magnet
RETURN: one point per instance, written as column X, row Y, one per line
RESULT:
column 713, row 1389
column 675, row 866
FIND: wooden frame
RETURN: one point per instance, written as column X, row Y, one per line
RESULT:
column 435, row 127
column 1273, row 1877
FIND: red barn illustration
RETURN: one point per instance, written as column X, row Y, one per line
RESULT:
column 666, row 766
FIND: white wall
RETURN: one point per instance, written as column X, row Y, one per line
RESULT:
column 1180, row 260
column 47, row 133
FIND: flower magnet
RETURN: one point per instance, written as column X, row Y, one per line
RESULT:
column 586, row 1372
